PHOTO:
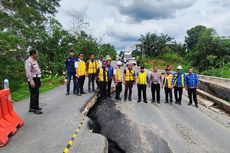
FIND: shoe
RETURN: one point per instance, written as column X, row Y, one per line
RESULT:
column 130, row 99
column 119, row 98
column 78, row 94
column 83, row 93
column 153, row 101
column 146, row 101
column 196, row 106
column 189, row 104
column 176, row 102
column 125, row 99
column 39, row 108
column 67, row 94
column 109, row 96
column 166, row 102
column 158, row 102
column 139, row 101
column 37, row 112
column 179, row 103
column 32, row 110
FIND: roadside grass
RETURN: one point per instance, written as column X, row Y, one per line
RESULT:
column 48, row 83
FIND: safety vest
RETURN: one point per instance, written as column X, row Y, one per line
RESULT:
column 142, row 78
column 81, row 68
column 129, row 75
column 101, row 75
column 92, row 67
column 182, row 80
column 169, row 78
column 118, row 74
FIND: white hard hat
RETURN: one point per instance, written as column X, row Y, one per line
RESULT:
column 179, row 67
column 119, row 63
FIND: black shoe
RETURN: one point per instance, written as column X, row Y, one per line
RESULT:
column 176, row 102
column 109, row 96
column 39, row 108
column 166, row 102
column 116, row 98
column 146, row 101
column 179, row 103
column 83, row 92
column 158, row 102
column 153, row 101
column 125, row 99
column 130, row 99
column 67, row 94
column 196, row 106
column 139, row 101
column 37, row 112
column 119, row 98
column 189, row 104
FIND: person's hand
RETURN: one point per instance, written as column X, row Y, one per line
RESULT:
column 77, row 76
column 186, row 88
column 32, row 84
column 162, row 86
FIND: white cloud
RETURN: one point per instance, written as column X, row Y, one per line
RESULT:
column 124, row 21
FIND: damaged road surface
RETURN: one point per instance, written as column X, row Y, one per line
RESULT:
column 123, row 134
column 132, row 127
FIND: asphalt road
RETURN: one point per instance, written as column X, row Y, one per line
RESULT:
column 186, row 129
column 51, row 131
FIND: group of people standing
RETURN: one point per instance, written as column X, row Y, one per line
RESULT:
column 103, row 74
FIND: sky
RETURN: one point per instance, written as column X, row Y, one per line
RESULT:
column 122, row 22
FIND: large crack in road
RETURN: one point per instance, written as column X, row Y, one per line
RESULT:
column 124, row 135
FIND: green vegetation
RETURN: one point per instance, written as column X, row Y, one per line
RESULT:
column 47, row 84
column 208, row 53
column 27, row 24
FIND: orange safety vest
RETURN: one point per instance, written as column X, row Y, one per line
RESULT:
column 129, row 75
column 169, row 78
column 81, row 68
column 92, row 67
column 101, row 75
column 141, row 79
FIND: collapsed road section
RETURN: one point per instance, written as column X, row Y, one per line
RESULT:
column 124, row 135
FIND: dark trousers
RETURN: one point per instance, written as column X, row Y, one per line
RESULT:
column 141, row 89
column 91, row 81
column 102, row 89
column 34, row 94
column 109, row 87
column 81, row 81
column 71, row 75
column 176, row 91
column 128, row 88
column 155, row 88
column 192, row 94
column 168, row 92
column 118, row 89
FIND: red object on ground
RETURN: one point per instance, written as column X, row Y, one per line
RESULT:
column 9, row 120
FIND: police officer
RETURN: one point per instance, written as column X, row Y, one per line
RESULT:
column 118, row 80
column 191, row 83
column 33, row 74
column 168, row 84
column 102, row 77
column 156, row 79
column 110, row 76
column 142, row 81
column 91, row 69
column 70, row 61
column 129, row 77
column 179, row 79
column 80, row 74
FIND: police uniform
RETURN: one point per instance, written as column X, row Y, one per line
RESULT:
column 168, row 85
column 179, row 79
column 102, row 77
column 129, row 77
column 118, row 81
column 80, row 73
column 91, row 68
column 142, row 81
column 70, row 61
column 33, row 74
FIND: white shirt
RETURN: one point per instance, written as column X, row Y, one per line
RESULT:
column 76, row 63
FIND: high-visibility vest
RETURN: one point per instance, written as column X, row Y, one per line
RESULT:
column 92, row 67
column 182, row 80
column 129, row 76
column 81, row 68
column 118, row 74
column 169, row 78
column 142, row 78
column 101, row 75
